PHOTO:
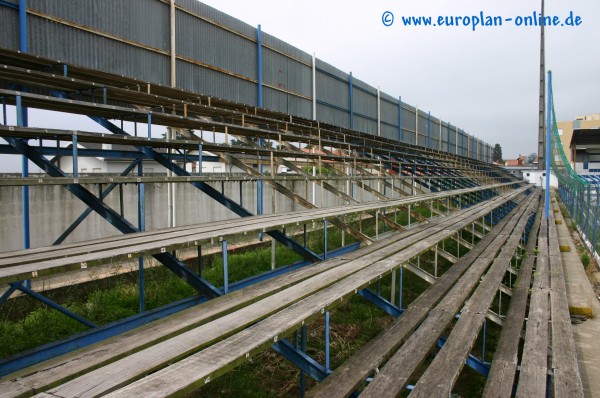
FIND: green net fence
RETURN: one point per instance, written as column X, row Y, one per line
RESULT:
column 578, row 194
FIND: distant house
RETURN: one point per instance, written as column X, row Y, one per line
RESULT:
column 520, row 161
column 109, row 159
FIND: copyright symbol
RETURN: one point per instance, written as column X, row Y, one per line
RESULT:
column 387, row 18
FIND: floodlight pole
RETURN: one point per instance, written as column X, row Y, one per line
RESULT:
column 542, row 108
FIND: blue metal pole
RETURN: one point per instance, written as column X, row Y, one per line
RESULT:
column 149, row 125
column 75, row 156
column 225, row 267
column 142, row 227
column 548, row 130
column 400, row 119
column 259, row 187
column 23, row 26
column 22, row 122
column 303, row 349
column 327, row 341
column 259, row 66
column 351, row 88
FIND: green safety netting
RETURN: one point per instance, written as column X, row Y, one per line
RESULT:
column 578, row 194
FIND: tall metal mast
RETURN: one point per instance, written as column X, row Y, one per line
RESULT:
column 542, row 127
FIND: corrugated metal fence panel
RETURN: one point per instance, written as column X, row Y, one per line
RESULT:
column 10, row 27
column 365, row 104
column 220, row 59
column 422, row 129
column 330, row 115
column 333, row 91
column 365, row 125
column 290, row 79
column 210, row 82
column 211, row 45
column 281, row 46
column 218, row 17
column 445, row 138
column 141, row 21
column 408, row 123
column 70, row 45
column 389, row 117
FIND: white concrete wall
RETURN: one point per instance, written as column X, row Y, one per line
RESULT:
column 53, row 208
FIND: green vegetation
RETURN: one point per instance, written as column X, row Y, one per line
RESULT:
column 28, row 324
column 585, row 259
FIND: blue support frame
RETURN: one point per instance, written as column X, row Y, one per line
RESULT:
column 100, row 333
column 259, row 66
column 19, row 286
column 300, row 359
column 75, row 156
column 87, row 212
column 23, row 26
column 481, row 367
column 113, row 217
column 4, row 3
column 381, row 302
column 141, row 188
column 22, row 122
column 210, row 191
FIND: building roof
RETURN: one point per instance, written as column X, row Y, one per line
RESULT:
column 586, row 139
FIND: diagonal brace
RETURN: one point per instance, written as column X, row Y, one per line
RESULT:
column 113, row 217
column 210, row 191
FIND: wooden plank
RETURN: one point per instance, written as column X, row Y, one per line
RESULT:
column 45, row 253
column 153, row 246
column 132, row 367
column 566, row 379
column 67, row 366
column 535, row 351
column 440, row 376
column 502, row 374
column 346, row 378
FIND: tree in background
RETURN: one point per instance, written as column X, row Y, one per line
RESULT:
column 532, row 157
column 497, row 154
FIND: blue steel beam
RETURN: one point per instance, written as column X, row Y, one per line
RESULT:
column 210, row 191
column 301, row 360
column 87, row 212
column 101, row 153
column 50, row 303
column 113, row 217
column 103, row 332
column 380, row 302
column 7, row 4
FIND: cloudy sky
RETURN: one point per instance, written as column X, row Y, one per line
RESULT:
column 485, row 81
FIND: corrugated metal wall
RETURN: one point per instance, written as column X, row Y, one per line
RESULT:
column 217, row 55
